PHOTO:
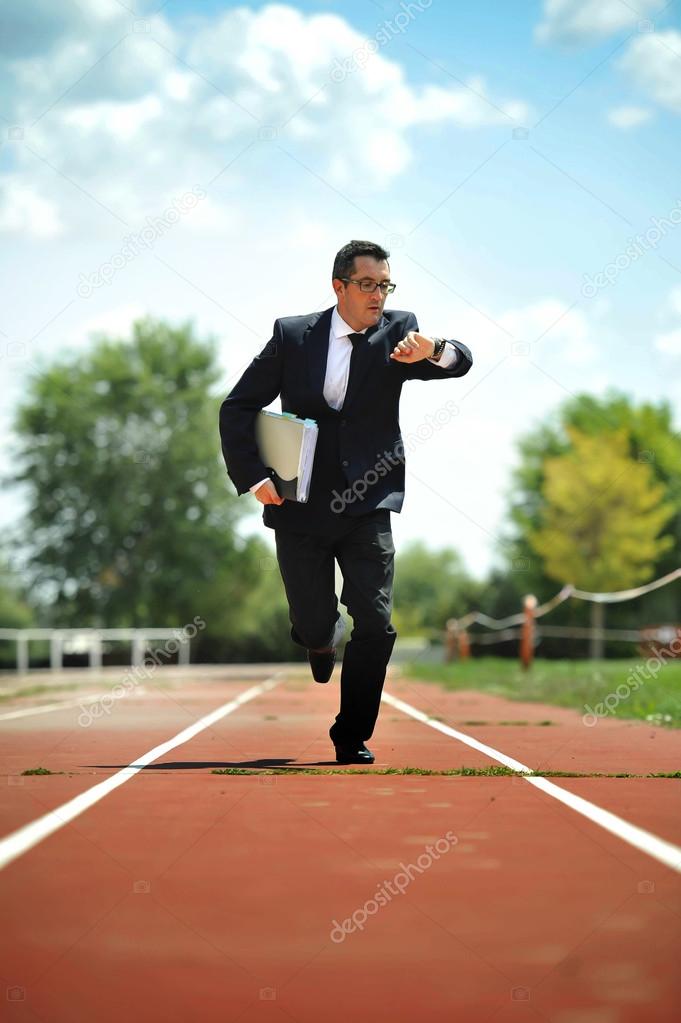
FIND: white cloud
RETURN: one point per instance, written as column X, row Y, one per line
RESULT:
column 669, row 343
column 550, row 324
column 675, row 300
column 654, row 64
column 115, row 321
column 115, row 117
column 629, row 117
column 576, row 22
column 24, row 212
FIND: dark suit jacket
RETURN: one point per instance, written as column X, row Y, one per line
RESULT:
column 359, row 459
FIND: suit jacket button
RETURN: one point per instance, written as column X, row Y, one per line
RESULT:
column 346, row 463
column 343, row 422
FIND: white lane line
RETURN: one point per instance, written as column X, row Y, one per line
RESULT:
column 661, row 850
column 25, row 838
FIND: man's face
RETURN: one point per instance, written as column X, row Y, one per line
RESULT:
column 362, row 308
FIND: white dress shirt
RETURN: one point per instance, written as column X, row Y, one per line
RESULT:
column 338, row 365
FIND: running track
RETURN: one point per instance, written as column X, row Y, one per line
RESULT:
column 140, row 884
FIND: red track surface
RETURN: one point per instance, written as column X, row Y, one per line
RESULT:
column 189, row 896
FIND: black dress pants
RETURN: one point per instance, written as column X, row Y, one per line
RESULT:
column 363, row 546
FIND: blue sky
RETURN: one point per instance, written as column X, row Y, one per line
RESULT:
column 501, row 151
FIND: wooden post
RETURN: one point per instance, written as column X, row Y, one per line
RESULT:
column 527, row 631
column 451, row 640
column 464, row 645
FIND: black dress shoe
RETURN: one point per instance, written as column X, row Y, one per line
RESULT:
column 354, row 753
column 322, row 662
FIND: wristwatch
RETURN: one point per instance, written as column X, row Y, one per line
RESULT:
column 438, row 349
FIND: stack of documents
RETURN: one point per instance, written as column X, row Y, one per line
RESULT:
column 287, row 445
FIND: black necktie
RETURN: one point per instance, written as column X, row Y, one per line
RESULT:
column 356, row 338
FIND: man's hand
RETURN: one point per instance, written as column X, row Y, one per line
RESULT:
column 413, row 348
column 267, row 494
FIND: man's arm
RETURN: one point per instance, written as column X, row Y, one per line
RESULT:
column 456, row 365
column 258, row 386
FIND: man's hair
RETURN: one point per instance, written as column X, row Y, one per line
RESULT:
column 344, row 263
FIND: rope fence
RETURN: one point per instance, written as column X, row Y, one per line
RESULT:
column 523, row 625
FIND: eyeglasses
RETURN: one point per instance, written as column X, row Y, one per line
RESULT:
column 370, row 286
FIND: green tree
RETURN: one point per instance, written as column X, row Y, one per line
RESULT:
column 652, row 439
column 15, row 612
column 130, row 516
column 601, row 517
column 430, row 587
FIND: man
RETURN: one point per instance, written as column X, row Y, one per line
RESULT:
column 344, row 368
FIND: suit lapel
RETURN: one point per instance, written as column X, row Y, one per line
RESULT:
column 316, row 341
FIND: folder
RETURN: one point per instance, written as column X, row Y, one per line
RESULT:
column 287, row 445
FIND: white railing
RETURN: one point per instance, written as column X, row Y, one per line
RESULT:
column 91, row 641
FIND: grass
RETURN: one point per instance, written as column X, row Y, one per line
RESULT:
column 494, row 771
column 40, row 690
column 581, row 685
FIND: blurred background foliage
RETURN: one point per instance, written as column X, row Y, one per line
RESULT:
column 130, row 518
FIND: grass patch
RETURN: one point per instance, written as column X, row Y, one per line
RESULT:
column 575, row 684
column 495, row 723
column 493, row 771
column 40, row 770
column 40, row 690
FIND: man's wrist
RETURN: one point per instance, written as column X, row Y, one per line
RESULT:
column 438, row 349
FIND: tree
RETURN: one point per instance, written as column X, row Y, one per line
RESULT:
column 601, row 516
column 652, row 439
column 430, row 587
column 130, row 519
column 15, row 612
